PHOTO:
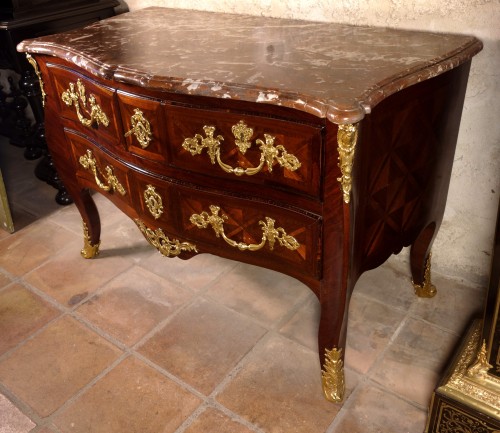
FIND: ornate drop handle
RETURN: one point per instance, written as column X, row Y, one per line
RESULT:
column 89, row 163
column 242, row 134
column 269, row 232
column 71, row 97
column 140, row 128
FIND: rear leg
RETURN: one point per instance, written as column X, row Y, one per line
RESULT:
column 420, row 262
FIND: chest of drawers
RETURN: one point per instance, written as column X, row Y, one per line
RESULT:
column 314, row 149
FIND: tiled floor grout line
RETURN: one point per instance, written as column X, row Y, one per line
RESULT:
column 213, row 404
column 378, row 360
column 207, row 401
column 395, row 394
column 367, row 377
column 69, row 401
column 9, row 275
column 25, row 407
column 437, row 325
column 9, row 352
column 212, row 283
column 378, row 301
column 191, row 418
column 245, row 360
column 366, row 381
column 42, row 263
column 42, row 328
column 294, row 309
column 186, row 386
column 273, row 327
column 345, row 406
column 20, row 404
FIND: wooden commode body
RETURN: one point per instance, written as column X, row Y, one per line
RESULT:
column 314, row 149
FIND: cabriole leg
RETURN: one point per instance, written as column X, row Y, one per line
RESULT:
column 331, row 342
column 91, row 221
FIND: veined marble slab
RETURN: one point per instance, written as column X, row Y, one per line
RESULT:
column 331, row 70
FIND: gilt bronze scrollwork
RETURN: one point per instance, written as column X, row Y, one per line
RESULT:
column 347, row 137
column 470, row 383
column 88, row 162
column 34, row 64
column 89, row 250
column 333, row 378
column 78, row 99
column 270, row 234
column 140, row 128
column 426, row 289
column 158, row 239
column 153, row 201
column 242, row 134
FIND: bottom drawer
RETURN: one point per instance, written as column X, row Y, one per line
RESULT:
column 250, row 231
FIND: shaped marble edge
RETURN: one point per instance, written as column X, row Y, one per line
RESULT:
column 338, row 110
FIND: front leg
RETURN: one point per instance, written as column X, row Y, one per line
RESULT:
column 332, row 340
column 91, row 221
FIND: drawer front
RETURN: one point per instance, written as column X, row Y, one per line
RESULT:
column 144, row 133
column 90, row 106
column 245, row 148
column 99, row 171
column 250, row 231
column 242, row 229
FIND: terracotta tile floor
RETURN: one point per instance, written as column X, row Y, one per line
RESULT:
column 133, row 342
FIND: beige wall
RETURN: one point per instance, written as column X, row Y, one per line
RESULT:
column 464, row 242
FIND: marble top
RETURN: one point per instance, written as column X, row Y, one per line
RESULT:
column 331, row 70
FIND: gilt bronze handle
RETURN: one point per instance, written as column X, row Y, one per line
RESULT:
column 242, row 134
column 77, row 97
column 89, row 163
column 269, row 232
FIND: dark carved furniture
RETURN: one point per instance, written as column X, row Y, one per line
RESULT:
column 314, row 149
column 491, row 327
column 468, row 397
column 22, row 19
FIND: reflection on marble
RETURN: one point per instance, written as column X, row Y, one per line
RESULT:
column 330, row 70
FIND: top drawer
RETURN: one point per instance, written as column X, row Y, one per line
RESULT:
column 89, row 104
column 245, row 147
